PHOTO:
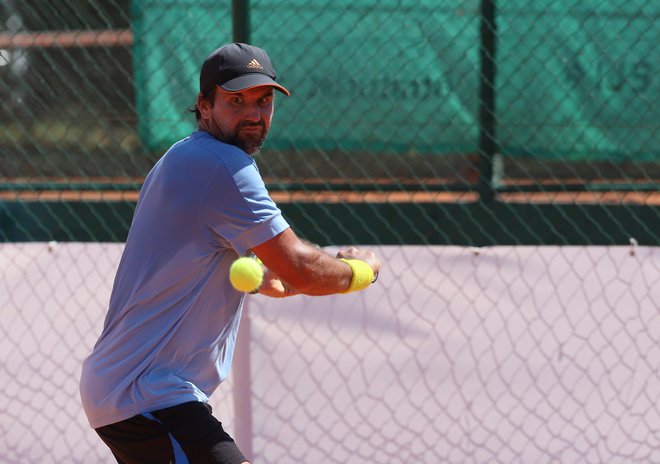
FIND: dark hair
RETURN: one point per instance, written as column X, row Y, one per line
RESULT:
column 194, row 109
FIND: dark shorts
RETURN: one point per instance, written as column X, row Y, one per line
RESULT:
column 187, row 433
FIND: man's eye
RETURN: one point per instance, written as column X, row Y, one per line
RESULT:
column 237, row 100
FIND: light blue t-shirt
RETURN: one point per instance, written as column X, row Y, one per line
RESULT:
column 171, row 326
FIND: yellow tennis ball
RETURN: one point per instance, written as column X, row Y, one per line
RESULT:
column 246, row 274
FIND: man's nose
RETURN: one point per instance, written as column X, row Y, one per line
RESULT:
column 252, row 113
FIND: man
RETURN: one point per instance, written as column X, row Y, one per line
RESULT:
column 169, row 335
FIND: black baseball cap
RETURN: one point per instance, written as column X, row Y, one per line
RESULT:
column 236, row 67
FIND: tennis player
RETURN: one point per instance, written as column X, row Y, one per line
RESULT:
column 169, row 334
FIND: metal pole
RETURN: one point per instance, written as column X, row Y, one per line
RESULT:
column 241, row 371
column 487, row 120
column 241, row 366
column 240, row 13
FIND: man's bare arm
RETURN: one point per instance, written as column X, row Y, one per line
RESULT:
column 302, row 267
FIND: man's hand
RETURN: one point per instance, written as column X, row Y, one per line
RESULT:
column 365, row 255
column 274, row 287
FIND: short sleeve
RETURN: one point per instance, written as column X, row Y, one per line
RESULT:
column 237, row 208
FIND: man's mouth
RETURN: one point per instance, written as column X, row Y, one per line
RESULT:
column 252, row 128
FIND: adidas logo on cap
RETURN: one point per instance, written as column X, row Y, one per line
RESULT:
column 254, row 64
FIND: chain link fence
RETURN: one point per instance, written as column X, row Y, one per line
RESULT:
column 391, row 95
column 425, row 128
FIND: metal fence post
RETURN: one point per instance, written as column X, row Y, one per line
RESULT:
column 241, row 367
column 240, row 13
column 487, row 120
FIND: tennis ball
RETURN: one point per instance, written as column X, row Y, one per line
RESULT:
column 246, row 274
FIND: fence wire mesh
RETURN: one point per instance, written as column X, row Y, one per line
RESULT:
column 411, row 123
column 500, row 354
column 386, row 94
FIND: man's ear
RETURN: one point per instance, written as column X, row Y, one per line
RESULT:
column 203, row 105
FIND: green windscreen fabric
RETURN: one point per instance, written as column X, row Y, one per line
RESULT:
column 363, row 74
column 170, row 41
column 579, row 79
column 576, row 82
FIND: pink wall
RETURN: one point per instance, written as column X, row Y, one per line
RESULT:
column 502, row 354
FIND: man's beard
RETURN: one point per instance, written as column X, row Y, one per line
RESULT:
column 249, row 143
